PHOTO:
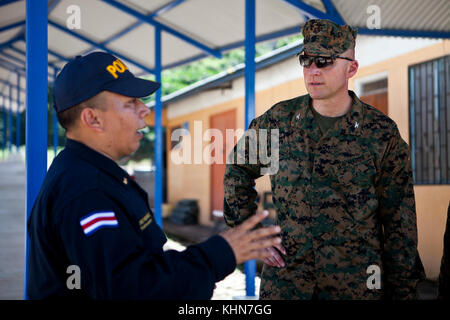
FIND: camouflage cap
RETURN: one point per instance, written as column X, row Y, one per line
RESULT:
column 325, row 37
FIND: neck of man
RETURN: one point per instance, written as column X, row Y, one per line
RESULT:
column 92, row 142
column 336, row 106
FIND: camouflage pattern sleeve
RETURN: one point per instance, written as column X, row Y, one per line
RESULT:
column 402, row 267
column 239, row 181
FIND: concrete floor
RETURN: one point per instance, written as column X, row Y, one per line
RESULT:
column 12, row 227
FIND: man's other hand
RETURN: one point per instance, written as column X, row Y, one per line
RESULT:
column 275, row 259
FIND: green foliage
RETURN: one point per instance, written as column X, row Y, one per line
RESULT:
column 180, row 77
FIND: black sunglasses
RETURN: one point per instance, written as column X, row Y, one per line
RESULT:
column 320, row 61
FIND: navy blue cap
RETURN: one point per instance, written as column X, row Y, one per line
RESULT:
column 86, row 76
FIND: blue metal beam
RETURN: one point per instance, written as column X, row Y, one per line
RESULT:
column 6, row 2
column 333, row 12
column 310, row 10
column 11, row 41
column 158, row 132
column 142, row 17
column 24, row 54
column 97, row 45
column 166, row 7
column 11, row 67
column 13, row 58
column 250, row 40
column 59, row 56
column 52, row 6
column 157, row 12
column 269, row 36
column 36, row 101
column 405, row 33
column 12, row 26
column 6, row 83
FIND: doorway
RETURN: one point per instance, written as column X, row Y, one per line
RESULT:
column 220, row 121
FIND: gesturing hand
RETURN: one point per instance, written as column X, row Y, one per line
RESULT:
column 247, row 244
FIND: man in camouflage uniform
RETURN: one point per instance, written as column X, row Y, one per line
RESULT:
column 343, row 192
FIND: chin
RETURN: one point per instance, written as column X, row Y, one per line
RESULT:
column 316, row 96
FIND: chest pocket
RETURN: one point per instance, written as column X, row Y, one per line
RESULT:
column 354, row 180
column 355, row 172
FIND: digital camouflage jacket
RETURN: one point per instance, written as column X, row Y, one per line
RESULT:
column 344, row 201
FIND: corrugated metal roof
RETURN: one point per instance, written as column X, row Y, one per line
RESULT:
column 192, row 29
column 398, row 14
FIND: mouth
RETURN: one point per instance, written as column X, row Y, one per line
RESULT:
column 315, row 84
column 141, row 132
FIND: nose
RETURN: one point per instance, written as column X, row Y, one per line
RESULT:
column 313, row 70
column 143, row 110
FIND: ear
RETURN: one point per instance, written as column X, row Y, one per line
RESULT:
column 352, row 69
column 92, row 118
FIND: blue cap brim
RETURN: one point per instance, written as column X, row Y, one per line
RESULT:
column 133, row 87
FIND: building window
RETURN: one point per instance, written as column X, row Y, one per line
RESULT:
column 429, row 94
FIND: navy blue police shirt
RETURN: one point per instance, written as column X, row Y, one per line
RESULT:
column 92, row 215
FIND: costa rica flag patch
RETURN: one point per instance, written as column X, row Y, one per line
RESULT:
column 98, row 220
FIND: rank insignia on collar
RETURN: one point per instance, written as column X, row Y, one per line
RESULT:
column 356, row 124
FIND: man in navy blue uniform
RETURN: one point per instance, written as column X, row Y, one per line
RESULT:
column 92, row 217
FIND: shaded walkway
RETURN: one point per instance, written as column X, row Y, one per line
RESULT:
column 12, row 227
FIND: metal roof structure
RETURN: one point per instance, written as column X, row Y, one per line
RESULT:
column 37, row 37
column 226, row 76
column 193, row 29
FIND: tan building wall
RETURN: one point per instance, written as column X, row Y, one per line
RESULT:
column 193, row 181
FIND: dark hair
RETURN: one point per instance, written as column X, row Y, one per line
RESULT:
column 69, row 117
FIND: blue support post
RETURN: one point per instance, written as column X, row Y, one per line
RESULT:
column 18, row 115
column 36, row 102
column 158, row 132
column 10, row 121
column 250, row 38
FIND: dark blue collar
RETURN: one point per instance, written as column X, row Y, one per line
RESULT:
column 98, row 160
